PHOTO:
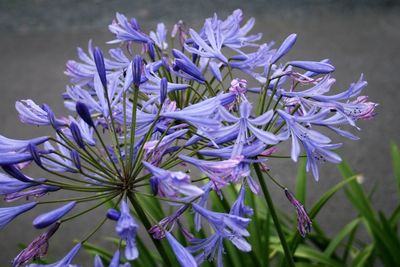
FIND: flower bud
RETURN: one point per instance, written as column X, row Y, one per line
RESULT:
column 163, row 89
column 75, row 159
column 284, row 48
column 84, row 113
column 51, row 217
column 100, row 66
column 113, row 214
column 314, row 66
column 76, row 134
column 137, row 67
column 35, row 154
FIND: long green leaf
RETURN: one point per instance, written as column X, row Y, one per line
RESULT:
column 340, row 236
column 396, row 164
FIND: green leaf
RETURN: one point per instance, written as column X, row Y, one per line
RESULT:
column 363, row 256
column 386, row 244
column 340, row 236
column 396, row 164
column 95, row 250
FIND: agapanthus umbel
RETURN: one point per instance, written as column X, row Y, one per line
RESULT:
column 142, row 122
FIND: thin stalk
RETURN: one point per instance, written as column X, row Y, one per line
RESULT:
column 140, row 212
column 89, row 209
column 77, row 199
column 133, row 128
column 271, row 208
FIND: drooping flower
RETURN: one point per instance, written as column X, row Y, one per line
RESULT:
column 229, row 226
column 127, row 228
column 243, row 124
column 37, row 248
column 316, row 145
column 303, row 220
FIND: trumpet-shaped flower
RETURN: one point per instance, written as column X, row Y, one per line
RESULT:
column 8, row 214
column 127, row 229
column 171, row 184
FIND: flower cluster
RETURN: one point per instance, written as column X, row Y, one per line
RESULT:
column 151, row 105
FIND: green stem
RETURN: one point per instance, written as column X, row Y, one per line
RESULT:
column 274, row 216
column 147, row 225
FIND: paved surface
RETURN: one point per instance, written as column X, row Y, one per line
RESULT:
column 38, row 37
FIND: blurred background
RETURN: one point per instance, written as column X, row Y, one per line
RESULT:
column 37, row 37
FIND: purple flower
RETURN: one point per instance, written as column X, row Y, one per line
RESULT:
column 180, row 30
column 185, row 68
column 316, row 145
column 82, row 73
column 234, row 34
column 171, row 184
column 126, row 31
column 183, row 256
column 10, row 185
column 30, row 113
column 160, row 36
column 8, row 214
column 113, row 214
column 200, row 114
column 249, row 62
column 314, row 66
column 76, row 159
column 84, row 113
column 66, row 261
column 100, row 66
column 167, row 224
column 114, row 261
column 154, row 83
column 284, row 48
column 238, row 207
column 37, row 248
column 220, row 172
column 228, row 226
column 137, row 69
column 35, row 154
column 96, row 99
column 242, row 125
column 212, row 49
column 15, row 172
column 50, row 217
column 156, row 149
column 8, row 145
column 76, row 134
column 127, row 229
column 36, row 191
column 303, row 221
column 85, row 130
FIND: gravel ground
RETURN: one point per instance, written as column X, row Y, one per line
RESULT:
column 39, row 36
